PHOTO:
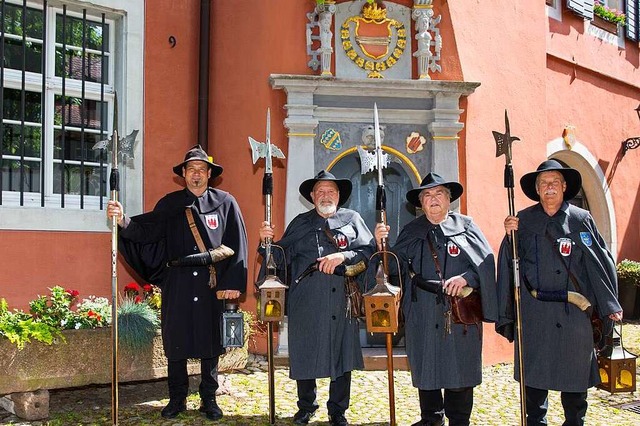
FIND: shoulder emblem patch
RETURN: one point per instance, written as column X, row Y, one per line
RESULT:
column 564, row 246
column 212, row 221
column 453, row 249
column 585, row 237
column 341, row 241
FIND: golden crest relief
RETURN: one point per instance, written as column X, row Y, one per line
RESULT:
column 373, row 33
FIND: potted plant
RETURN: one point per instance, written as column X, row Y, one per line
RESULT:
column 606, row 18
column 628, row 282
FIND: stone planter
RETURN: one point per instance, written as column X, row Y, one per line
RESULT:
column 85, row 359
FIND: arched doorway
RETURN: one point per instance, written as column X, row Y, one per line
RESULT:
column 397, row 182
column 594, row 192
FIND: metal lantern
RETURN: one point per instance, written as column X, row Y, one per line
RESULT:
column 272, row 292
column 617, row 365
column 382, row 304
column 232, row 327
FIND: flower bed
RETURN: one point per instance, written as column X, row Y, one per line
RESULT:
column 60, row 344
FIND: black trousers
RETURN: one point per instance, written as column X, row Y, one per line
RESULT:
column 339, row 393
column 178, row 378
column 573, row 403
column 456, row 405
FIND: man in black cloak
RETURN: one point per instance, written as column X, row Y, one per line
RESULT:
column 560, row 250
column 323, row 338
column 192, row 296
column 445, row 357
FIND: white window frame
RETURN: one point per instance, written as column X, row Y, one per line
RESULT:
column 126, row 20
column 555, row 11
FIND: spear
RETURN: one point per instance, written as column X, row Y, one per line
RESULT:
column 266, row 150
column 126, row 151
column 503, row 146
column 378, row 161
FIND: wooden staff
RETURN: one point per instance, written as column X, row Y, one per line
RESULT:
column 503, row 146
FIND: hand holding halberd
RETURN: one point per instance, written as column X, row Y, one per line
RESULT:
column 381, row 232
column 114, row 209
column 265, row 231
column 511, row 224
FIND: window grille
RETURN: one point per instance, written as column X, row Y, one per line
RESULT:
column 56, row 100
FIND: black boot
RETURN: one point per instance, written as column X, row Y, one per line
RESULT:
column 338, row 419
column 426, row 423
column 173, row 408
column 210, row 408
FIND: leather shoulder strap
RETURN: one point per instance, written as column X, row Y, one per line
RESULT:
column 200, row 244
column 194, row 230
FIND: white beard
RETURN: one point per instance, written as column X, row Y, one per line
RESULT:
column 327, row 209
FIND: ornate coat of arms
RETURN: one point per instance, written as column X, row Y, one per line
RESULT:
column 373, row 33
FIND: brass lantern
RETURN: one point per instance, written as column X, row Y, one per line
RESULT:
column 617, row 366
column 272, row 292
column 382, row 304
column 232, row 327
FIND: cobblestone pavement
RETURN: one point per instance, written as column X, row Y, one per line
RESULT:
column 244, row 400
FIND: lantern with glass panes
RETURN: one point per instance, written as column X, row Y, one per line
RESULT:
column 232, row 327
column 271, row 299
column 381, row 305
column 617, row 365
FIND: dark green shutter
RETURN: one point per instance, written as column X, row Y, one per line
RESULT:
column 582, row 8
column 631, row 10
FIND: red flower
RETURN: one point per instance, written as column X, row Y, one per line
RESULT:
column 95, row 315
column 138, row 299
column 73, row 293
column 147, row 288
column 132, row 287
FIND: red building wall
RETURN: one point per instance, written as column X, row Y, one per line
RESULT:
column 546, row 73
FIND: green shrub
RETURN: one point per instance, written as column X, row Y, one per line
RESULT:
column 20, row 327
column 137, row 324
column 629, row 272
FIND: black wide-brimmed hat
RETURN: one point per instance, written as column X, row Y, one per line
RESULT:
column 430, row 181
column 571, row 176
column 344, row 186
column 196, row 153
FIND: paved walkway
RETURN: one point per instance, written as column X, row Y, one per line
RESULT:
column 244, row 400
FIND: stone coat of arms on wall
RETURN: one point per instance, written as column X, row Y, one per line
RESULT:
column 379, row 41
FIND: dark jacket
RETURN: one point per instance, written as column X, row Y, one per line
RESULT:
column 191, row 313
column 438, row 359
column 557, row 337
column 323, row 341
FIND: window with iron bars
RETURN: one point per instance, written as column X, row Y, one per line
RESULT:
column 56, row 102
column 57, row 98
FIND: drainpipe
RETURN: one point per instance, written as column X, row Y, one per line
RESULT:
column 203, row 74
